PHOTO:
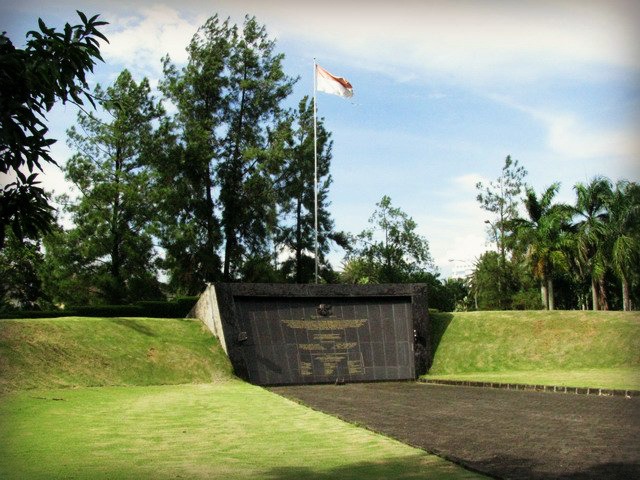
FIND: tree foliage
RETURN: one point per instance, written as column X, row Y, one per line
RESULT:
column 51, row 67
column 228, row 99
column 296, row 231
column 112, row 215
column 501, row 198
column 542, row 238
column 21, row 285
column 590, row 224
column 390, row 251
column 623, row 237
column 589, row 250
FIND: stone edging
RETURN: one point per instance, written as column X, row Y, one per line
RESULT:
column 607, row 392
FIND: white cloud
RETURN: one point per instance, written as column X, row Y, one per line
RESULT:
column 466, row 41
column 456, row 229
column 469, row 181
column 571, row 139
column 138, row 41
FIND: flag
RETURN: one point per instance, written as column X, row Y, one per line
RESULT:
column 331, row 84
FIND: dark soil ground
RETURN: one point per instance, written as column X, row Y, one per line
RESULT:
column 502, row 433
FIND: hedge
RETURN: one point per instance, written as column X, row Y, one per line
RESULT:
column 178, row 308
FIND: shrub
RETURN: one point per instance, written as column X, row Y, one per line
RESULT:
column 178, row 308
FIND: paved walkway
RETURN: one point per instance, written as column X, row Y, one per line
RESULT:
column 503, row 433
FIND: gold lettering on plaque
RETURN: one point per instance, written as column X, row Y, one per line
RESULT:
column 355, row 367
column 330, row 362
column 345, row 345
column 331, row 348
column 327, row 337
column 319, row 325
column 306, row 368
column 310, row 346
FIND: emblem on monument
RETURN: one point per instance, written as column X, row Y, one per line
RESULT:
column 324, row 310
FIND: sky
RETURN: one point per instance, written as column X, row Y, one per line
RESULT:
column 444, row 91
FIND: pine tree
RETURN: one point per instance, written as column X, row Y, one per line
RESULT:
column 296, row 195
column 113, row 215
column 228, row 99
column 257, row 85
column 501, row 198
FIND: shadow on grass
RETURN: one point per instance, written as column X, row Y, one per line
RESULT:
column 134, row 325
column 439, row 323
column 420, row 468
column 417, row 467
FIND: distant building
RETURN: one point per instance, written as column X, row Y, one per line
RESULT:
column 461, row 268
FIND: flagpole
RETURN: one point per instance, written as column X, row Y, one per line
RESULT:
column 315, row 166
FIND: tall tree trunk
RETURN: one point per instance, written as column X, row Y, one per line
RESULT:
column 594, row 294
column 228, row 248
column 231, row 209
column 210, row 223
column 604, row 304
column 626, row 294
column 552, row 304
column 116, row 235
column 544, row 294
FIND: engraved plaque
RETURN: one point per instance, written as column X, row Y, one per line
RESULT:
column 299, row 334
column 352, row 340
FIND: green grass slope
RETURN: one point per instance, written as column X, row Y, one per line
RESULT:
column 228, row 430
column 79, row 351
column 168, row 407
column 488, row 345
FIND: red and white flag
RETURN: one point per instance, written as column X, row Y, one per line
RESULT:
column 328, row 83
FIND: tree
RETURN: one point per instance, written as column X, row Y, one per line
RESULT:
column 542, row 238
column 489, row 294
column 590, row 224
column 501, row 198
column 391, row 251
column 113, row 215
column 623, row 235
column 446, row 295
column 228, row 99
column 21, row 285
column 296, row 193
column 256, row 86
column 51, row 67
column 185, row 178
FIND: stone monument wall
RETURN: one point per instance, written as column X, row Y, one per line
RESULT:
column 298, row 334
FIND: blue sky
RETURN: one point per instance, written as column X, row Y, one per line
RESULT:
column 444, row 91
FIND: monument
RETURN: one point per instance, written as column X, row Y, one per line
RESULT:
column 278, row 334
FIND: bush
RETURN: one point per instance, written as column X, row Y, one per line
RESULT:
column 178, row 308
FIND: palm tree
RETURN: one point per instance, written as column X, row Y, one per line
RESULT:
column 543, row 238
column 590, row 223
column 623, row 234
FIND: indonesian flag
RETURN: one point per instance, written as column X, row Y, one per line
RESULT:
column 331, row 84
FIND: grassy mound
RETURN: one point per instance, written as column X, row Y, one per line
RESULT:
column 150, row 420
column 494, row 343
column 79, row 351
column 229, row 430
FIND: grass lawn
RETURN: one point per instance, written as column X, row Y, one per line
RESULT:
column 565, row 348
column 612, row 378
column 228, row 430
column 156, row 399
column 80, row 352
